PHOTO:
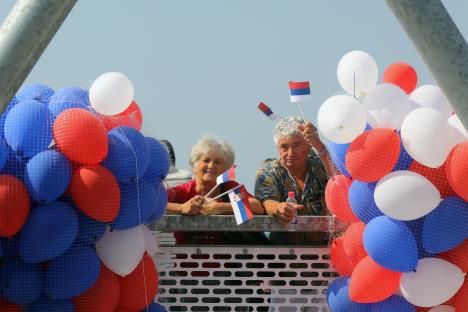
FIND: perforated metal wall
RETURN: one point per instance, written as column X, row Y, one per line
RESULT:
column 227, row 278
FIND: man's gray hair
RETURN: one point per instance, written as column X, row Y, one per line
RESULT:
column 287, row 127
column 211, row 144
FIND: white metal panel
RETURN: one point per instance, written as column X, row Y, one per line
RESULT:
column 232, row 278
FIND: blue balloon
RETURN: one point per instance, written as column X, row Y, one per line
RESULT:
column 38, row 92
column 159, row 163
column 89, row 230
column 336, row 285
column 49, row 231
column 416, row 227
column 10, row 246
column 391, row 244
column 4, row 152
column 361, row 200
column 137, row 201
column 47, row 176
column 72, row 273
column 154, row 307
column 68, row 98
column 128, row 155
column 339, row 301
column 160, row 206
column 21, row 283
column 338, row 154
column 28, row 128
column 393, row 304
column 446, row 226
column 10, row 105
column 14, row 165
column 48, row 305
column 404, row 161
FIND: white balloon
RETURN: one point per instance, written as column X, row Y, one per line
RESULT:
column 341, row 118
column 459, row 133
column 151, row 244
column 406, row 195
column 426, row 136
column 357, row 73
column 442, row 308
column 111, row 93
column 434, row 282
column 433, row 97
column 121, row 251
column 388, row 105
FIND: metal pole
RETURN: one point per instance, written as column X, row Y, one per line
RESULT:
column 24, row 35
column 440, row 44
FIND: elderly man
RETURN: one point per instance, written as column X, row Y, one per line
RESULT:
column 301, row 168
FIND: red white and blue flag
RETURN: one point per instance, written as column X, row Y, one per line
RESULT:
column 238, row 196
column 299, row 91
column 228, row 175
column 240, row 204
column 267, row 111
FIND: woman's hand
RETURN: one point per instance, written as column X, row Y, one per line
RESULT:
column 193, row 206
column 216, row 208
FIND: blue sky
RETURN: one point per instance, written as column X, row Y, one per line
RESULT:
column 203, row 66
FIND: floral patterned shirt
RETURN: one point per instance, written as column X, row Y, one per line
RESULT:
column 274, row 181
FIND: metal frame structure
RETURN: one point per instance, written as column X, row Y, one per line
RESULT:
column 24, row 35
column 243, row 278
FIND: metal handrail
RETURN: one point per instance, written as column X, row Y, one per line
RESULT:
column 170, row 223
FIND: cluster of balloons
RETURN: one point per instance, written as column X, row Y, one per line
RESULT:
column 78, row 184
column 402, row 157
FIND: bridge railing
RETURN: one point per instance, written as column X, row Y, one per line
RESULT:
column 243, row 278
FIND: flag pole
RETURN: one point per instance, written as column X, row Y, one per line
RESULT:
column 302, row 112
column 234, row 188
column 211, row 191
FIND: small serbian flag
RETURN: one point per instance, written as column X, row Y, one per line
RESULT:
column 267, row 111
column 228, row 175
column 240, row 204
column 299, row 91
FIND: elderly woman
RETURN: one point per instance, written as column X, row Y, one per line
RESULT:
column 209, row 158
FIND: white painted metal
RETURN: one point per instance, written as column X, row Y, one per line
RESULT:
column 233, row 278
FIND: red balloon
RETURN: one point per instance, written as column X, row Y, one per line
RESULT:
column 122, row 309
column 436, row 176
column 131, row 117
column 458, row 256
column 96, row 192
column 339, row 259
column 336, row 198
column 352, row 243
column 6, row 306
column 456, row 169
column 14, row 205
column 138, row 289
column 373, row 154
column 461, row 298
column 80, row 136
column 402, row 75
column 372, row 283
column 103, row 296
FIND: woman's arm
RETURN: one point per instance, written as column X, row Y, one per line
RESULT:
column 191, row 207
column 216, row 208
